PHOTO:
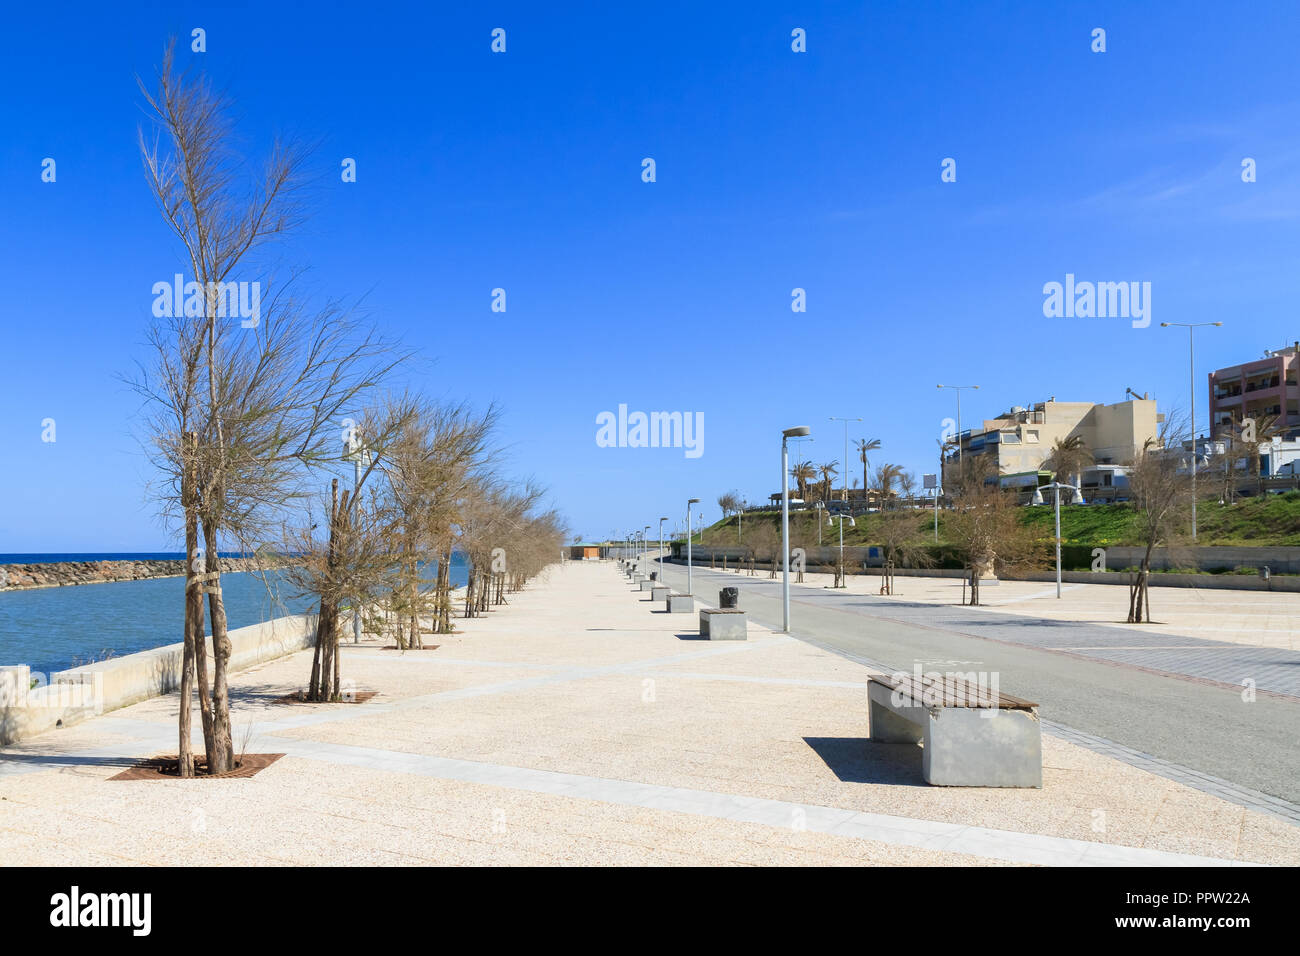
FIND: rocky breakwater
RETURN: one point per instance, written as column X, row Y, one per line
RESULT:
column 20, row 576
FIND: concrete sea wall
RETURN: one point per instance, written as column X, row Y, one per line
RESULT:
column 69, row 696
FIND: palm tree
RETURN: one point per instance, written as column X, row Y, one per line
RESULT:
column 1069, row 457
column 865, row 445
column 886, row 475
column 828, row 471
column 802, row 473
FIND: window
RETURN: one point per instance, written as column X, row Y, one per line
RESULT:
column 1031, row 436
column 1010, row 438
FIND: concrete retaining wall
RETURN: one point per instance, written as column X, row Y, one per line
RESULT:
column 73, row 695
column 1280, row 560
column 1227, row 582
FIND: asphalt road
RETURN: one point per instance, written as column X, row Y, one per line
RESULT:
column 1202, row 726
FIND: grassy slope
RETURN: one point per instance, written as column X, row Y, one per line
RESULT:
column 1272, row 520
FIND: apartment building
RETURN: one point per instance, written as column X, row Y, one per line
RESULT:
column 1261, row 389
column 1020, row 441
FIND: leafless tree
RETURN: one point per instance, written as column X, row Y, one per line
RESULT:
column 902, row 541
column 434, row 470
column 985, row 524
column 1160, row 496
column 350, row 561
column 239, row 403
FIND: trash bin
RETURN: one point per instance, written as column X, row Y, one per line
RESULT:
column 729, row 597
column 654, row 575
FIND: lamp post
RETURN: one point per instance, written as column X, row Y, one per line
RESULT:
column 1056, row 487
column 1191, row 328
column 852, row 524
column 661, row 549
column 846, row 451
column 799, row 431
column 958, row 389
column 645, row 543
column 689, row 502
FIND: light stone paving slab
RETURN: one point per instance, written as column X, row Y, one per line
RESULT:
column 534, row 712
column 925, row 834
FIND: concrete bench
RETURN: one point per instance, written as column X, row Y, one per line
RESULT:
column 680, row 604
column 646, row 584
column 660, row 593
column 723, row 624
column 972, row 736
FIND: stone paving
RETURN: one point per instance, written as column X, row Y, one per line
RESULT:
column 579, row 726
column 1223, row 636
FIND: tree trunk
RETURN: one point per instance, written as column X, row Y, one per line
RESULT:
column 223, row 748
column 193, row 607
column 313, row 686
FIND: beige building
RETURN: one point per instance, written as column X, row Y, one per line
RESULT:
column 1020, row 441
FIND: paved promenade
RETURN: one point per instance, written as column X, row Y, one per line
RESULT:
column 1226, row 710
column 577, row 726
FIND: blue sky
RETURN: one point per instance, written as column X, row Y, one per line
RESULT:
column 775, row 170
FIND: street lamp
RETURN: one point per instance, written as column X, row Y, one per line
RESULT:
column 799, row 431
column 1191, row 375
column 1056, row 487
column 645, row 545
column 661, row 549
column 958, row 389
column 852, row 524
column 846, row 450
column 689, row 502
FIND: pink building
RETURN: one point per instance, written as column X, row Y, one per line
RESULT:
column 1260, row 389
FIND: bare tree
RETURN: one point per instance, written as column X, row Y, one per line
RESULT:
column 1254, row 434
column 351, row 562
column 240, row 402
column 902, row 541
column 1160, row 496
column 985, row 524
column 434, row 469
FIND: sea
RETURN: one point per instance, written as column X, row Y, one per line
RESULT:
column 51, row 629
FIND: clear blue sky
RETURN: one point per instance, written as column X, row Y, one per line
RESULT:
column 775, row 170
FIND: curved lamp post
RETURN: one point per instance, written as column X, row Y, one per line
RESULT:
column 1056, row 487
column 799, row 431
column 852, row 524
